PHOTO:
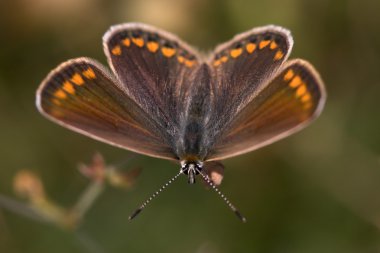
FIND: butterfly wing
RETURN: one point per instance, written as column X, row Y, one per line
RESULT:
column 287, row 104
column 154, row 68
column 242, row 66
column 80, row 95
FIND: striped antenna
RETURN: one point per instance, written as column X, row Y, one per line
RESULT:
column 138, row 210
column 229, row 204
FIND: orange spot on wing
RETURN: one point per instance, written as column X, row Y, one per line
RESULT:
column 138, row 41
column 301, row 90
column 250, row 47
column 56, row 101
column 306, row 98
column 168, row 51
column 273, row 45
column 295, row 82
column 278, row 56
column 116, row 50
column 181, row 59
column 57, row 113
column 223, row 58
column 189, row 63
column 68, row 87
column 77, row 79
column 152, row 46
column 126, row 42
column 289, row 75
column 264, row 43
column 307, row 106
column 89, row 73
column 217, row 63
column 236, row 52
column 60, row 94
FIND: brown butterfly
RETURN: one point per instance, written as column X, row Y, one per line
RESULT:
column 165, row 100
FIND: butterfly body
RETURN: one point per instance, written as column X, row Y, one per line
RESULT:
column 165, row 100
column 193, row 137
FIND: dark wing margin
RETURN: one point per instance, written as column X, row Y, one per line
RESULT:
column 290, row 102
column 81, row 96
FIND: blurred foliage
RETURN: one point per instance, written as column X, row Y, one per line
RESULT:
column 317, row 191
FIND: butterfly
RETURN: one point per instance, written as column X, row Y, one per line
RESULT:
column 166, row 100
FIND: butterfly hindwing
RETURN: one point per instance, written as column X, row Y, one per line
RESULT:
column 287, row 104
column 80, row 95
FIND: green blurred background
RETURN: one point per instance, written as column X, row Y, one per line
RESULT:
column 316, row 191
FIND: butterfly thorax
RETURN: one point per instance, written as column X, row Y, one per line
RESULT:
column 191, row 169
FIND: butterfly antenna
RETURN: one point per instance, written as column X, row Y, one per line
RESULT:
column 138, row 210
column 230, row 205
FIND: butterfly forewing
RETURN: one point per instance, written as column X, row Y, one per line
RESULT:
column 154, row 67
column 80, row 95
column 242, row 66
column 288, row 103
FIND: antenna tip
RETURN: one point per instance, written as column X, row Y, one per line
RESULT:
column 135, row 213
column 240, row 216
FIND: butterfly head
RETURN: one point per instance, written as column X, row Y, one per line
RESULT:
column 191, row 169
